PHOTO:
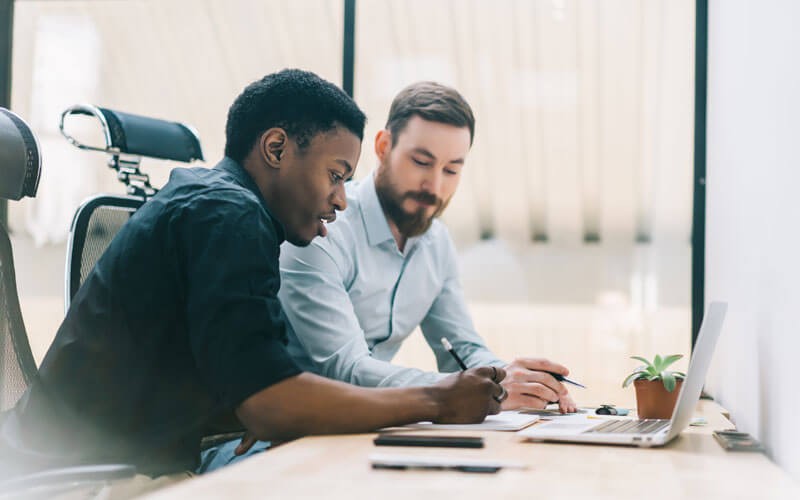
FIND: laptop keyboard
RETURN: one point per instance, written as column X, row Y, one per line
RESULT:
column 647, row 426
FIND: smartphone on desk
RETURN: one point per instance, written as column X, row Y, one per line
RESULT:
column 435, row 441
column 733, row 440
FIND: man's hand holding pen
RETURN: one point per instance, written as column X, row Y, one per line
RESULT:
column 528, row 383
column 533, row 383
column 467, row 397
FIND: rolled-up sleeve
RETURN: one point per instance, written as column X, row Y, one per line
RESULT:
column 324, row 322
column 236, row 328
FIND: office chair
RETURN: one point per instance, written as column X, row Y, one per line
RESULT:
column 19, row 176
column 20, row 170
column 128, row 138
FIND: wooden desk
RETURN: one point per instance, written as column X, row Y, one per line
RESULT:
column 692, row 466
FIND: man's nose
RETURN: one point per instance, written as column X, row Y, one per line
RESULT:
column 432, row 183
column 340, row 198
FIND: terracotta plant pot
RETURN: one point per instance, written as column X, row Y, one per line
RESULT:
column 653, row 400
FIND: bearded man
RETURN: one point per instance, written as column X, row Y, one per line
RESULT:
column 388, row 265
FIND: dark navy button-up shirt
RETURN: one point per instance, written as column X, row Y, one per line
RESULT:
column 178, row 323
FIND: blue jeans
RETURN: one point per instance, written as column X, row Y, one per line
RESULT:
column 219, row 456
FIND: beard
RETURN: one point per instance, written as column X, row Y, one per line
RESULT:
column 409, row 224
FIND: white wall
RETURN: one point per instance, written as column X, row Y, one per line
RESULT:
column 753, row 215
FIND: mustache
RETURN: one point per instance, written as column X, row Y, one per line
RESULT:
column 422, row 196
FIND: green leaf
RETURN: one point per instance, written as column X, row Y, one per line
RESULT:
column 652, row 371
column 633, row 376
column 657, row 363
column 669, row 360
column 643, row 360
column 680, row 374
column 669, row 380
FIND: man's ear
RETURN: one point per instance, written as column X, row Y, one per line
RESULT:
column 272, row 146
column 383, row 144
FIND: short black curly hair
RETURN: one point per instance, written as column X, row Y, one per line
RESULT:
column 300, row 102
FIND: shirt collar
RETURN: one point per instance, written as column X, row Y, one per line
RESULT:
column 372, row 213
column 232, row 167
column 374, row 218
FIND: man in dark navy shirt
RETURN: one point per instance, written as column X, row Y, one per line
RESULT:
column 179, row 326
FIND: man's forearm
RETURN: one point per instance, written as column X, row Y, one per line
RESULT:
column 308, row 404
column 371, row 372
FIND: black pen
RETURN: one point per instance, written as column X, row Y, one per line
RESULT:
column 557, row 376
column 562, row 378
column 459, row 468
column 452, row 352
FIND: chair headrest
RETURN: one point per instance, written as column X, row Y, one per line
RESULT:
column 20, row 160
column 139, row 135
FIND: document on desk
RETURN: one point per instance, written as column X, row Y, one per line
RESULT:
column 503, row 421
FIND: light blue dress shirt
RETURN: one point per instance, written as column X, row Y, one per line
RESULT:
column 353, row 297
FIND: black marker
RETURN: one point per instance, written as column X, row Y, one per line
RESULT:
column 449, row 348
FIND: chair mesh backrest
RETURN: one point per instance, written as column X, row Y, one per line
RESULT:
column 17, row 367
column 96, row 223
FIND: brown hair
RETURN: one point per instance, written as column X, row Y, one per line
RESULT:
column 430, row 101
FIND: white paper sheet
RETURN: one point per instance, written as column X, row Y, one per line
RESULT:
column 503, row 421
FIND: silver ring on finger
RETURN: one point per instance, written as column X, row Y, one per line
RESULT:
column 494, row 374
column 503, row 395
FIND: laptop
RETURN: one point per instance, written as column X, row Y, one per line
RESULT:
column 650, row 432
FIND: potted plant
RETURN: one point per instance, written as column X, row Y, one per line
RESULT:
column 657, row 388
